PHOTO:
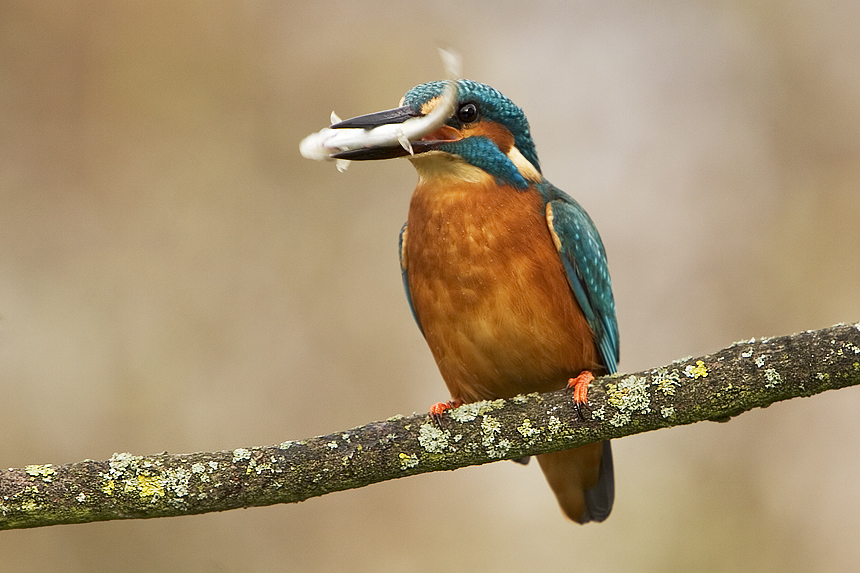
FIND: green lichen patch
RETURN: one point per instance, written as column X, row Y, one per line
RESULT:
column 468, row 412
column 501, row 449
column 178, row 481
column 555, row 427
column 259, row 467
column 490, row 430
column 630, row 394
column 666, row 380
column 199, row 470
column 773, row 378
column 121, row 463
column 433, row 439
column 45, row 472
column 527, row 431
column 524, row 398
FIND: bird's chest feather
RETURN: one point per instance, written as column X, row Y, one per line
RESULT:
column 490, row 292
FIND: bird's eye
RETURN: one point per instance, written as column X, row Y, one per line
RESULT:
column 467, row 113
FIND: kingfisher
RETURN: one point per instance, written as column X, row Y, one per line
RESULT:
column 505, row 274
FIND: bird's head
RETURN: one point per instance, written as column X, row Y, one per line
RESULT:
column 485, row 134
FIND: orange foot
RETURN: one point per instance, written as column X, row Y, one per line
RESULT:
column 580, row 390
column 437, row 409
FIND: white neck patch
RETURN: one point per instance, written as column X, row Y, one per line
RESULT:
column 524, row 166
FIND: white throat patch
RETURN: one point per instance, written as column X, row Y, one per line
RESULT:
column 439, row 165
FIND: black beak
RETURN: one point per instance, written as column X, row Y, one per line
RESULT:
column 371, row 120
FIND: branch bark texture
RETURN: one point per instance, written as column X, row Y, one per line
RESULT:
column 744, row 376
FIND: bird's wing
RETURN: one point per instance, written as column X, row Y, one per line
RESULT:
column 584, row 259
column 403, row 273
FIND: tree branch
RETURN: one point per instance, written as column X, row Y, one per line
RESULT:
column 744, row 376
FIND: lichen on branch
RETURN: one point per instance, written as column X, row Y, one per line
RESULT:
column 744, row 376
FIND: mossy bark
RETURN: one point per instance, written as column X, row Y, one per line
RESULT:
column 744, row 376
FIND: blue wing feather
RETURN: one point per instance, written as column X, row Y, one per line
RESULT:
column 405, row 277
column 584, row 260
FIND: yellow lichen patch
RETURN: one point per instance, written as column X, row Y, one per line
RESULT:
column 697, row 371
column 109, row 486
column 29, row 506
column 408, row 461
column 666, row 380
column 528, row 431
column 150, row 486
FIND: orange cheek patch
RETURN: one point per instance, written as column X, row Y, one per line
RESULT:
column 493, row 131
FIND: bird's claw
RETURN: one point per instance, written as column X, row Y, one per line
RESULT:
column 580, row 391
column 437, row 409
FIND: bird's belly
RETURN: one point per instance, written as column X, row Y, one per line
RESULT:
column 493, row 300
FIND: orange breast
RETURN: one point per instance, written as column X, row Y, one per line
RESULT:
column 490, row 292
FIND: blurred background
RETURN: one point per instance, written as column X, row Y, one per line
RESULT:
column 174, row 276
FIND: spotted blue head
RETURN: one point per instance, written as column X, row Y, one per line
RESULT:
column 486, row 131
